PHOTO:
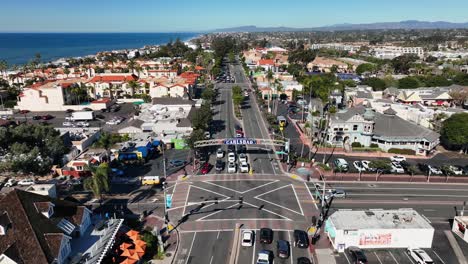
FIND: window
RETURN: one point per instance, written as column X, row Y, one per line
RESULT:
column 79, row 168
column 355, row 127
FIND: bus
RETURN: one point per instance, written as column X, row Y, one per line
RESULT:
column 282, row 121
column 150, row 180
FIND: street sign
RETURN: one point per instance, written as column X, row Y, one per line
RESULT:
column 168, row 200
column 240, row 141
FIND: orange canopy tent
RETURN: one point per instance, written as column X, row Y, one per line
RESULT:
column 133, row 235
column 129, row 261
column 124, row 246
column 126, row 253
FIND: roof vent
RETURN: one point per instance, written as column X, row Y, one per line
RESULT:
column 369, row 213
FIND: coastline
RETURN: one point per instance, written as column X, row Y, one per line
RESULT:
column 16, row 56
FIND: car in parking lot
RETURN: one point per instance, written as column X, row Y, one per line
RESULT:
column 397, row 168
column 231, row 167
column 219, row 154
column 397, row 158
column 206, row 167
column 282, row 249
column 26, row 182
column 247, row 238
column 242, row 157
column 176, row 163
column 266, row 235
column 341, row 165
column 301, row 239
column 219, row 166
column 359, row 166
column 419, row 255
column 365, row 164
column 11, row 182
column 430, row 169
column 456, row 170
column 231, row 157
column 357, row 255
column 264, row 257
column 244, row 167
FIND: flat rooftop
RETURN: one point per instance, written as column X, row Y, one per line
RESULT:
column 379, row 219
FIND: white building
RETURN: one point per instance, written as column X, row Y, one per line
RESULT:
column 335, row 46
column 43, row 189
column 379, row 229
column 390, row 52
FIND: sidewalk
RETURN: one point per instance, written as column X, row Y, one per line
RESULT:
column 171, row 242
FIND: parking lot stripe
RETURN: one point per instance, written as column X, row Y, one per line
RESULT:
column 408, row 256
column 393, row 257
column 375, row 253
column 437, row 255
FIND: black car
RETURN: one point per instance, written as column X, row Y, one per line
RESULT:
column 203, row 159
column 231, row 148
column 87, row 109
column 303, row 260
column 282, row 249
column 69, row 111
column 358, row 255
column 219, row 165
column 36, row 117
column 266, row 235
column 241, row 149
column 301, row 239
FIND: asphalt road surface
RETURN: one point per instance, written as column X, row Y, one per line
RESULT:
column 438, row 203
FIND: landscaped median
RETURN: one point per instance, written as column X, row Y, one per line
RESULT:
column 237, row 100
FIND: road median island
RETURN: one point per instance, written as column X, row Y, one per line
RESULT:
column 235, row 245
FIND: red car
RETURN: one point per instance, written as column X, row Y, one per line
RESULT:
column 47, row 117
column 24, row 112
column 205, row 168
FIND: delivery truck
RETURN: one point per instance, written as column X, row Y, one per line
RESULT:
column 81, row 116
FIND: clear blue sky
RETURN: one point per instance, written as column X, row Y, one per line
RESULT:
column 197, row 15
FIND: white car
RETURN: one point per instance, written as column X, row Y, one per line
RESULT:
column 231, row 157
column 397, row 168
column 244, row 167
column 397, row 158
column 456, row 170
column 231, row 168
column 10, row 183
column 359, row 166
column 207, row 135
column 112, row 122
column 263, row 257
column 434, row 170
column 67, row 124
column 419, row 255
column 82, row 124
column 26, row 182
column 247, row 238
column 219, row 154
column 242, row 157
column 365, row 164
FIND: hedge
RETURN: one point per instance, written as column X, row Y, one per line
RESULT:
column 356, row 145
column 402, row 151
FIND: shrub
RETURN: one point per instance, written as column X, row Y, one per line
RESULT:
column 373, row 145
column 356, row 145
column 402, row 151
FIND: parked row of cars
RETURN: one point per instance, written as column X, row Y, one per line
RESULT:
column 418, row 255
column 75, row 124
column 398, row 165
column 283, row 251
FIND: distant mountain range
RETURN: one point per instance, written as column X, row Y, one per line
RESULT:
column 409, row 24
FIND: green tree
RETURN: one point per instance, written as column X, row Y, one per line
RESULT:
column 461, row 79
column 454, row 132
column 99, row 181
column 196, row 135
column 376, row 83
column 409, row 83
column 334, row 68
column 208, row 94
column 66, row 71
column 134, row 85
column 381, row 165
column 365, row 67
column 403, row 63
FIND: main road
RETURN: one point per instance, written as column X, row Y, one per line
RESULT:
column 206, row 208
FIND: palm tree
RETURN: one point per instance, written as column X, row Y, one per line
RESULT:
column 138, row 68
column 131, row 64
column 112, row 60
column 133, row 86
column 269, row 77
column 99, row 181
column 3, row 67
column 66, row 71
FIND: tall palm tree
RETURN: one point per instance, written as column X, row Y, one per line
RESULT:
column 112, row 60
column 133, row 86
column 138, row 68
column 3, row 67
column 269, row 77
column 131, row 64
column 99, row 181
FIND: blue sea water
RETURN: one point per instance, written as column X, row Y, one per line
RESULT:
column 19, row 48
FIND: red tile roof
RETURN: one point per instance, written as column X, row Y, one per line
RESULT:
column 266, row 62
column 114, row 78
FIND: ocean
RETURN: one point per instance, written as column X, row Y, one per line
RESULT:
column 19, row 48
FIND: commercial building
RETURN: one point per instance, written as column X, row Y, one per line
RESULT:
column 378, row 229
column 459, row 226
column 391, row 52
